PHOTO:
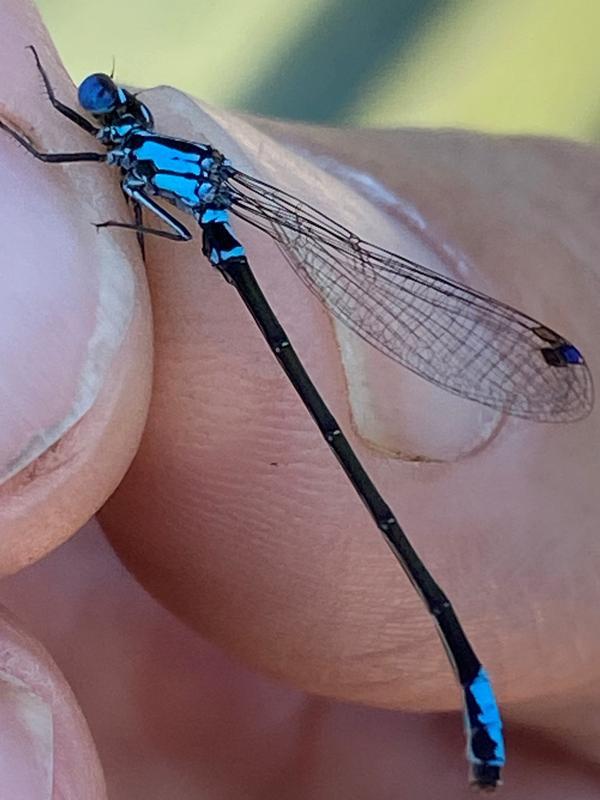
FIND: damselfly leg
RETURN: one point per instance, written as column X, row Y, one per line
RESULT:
column 65, row 110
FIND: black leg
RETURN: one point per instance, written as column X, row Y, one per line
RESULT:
column 139, row 221
column 51, row 158
column 140, row 199
column 68, row 112
column 179, row 232
column 141, row 229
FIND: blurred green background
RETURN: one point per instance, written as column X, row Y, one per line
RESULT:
column 495, row 65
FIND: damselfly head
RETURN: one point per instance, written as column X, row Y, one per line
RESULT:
column 113, row 106
column 100, row 95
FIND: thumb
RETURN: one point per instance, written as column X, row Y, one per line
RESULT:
column 75, row 351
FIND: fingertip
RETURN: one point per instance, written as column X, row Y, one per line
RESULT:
column 46, row 750
column 75, row 351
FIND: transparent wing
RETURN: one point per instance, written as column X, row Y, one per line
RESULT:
column 454, row 337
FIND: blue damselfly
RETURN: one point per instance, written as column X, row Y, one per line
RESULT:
column 454, row 337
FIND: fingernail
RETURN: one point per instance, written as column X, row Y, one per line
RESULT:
column 26, row 742
column 66, row 301
column 393, row 409
column 403, row 416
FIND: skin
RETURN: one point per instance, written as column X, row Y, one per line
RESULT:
column 235, row 517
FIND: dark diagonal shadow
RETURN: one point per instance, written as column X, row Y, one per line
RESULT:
column 331, row 63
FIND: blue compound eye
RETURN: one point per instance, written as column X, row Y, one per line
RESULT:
column 98, row 94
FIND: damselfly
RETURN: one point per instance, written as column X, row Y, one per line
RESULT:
column 457, row 338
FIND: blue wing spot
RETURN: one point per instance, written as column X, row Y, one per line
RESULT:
column 563, row 355
column 571, row 354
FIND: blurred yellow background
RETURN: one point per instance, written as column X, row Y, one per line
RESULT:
column 495, row 65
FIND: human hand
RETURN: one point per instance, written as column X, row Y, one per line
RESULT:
column 235, row 515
